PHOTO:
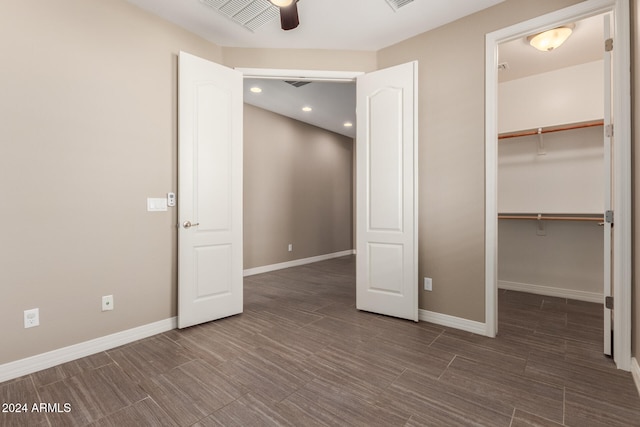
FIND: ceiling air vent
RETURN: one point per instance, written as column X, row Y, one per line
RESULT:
column 251, row 14
column 397, row 4
column 296, row 83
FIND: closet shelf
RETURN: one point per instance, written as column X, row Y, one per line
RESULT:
column 556, row 217
column 540, row 131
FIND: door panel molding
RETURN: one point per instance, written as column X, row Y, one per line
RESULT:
column 386, row 192
column 210, row 191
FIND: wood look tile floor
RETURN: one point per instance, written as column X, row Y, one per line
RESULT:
column 302, row 355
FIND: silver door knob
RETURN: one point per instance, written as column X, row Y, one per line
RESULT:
column 187, row 224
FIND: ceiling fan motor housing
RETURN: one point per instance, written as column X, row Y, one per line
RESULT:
column 289, row 16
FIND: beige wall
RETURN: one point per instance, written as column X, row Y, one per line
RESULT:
column 635, row 40
column 88, row 132
column 297, row 189
column 451, row 151
column 299, row 59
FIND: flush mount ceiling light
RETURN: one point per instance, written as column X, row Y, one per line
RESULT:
column 306, row 109
column 348, row 124
column 255, row 89
column 551, row 39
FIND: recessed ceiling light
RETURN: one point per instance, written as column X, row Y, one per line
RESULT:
column 255, row 89
column 306, row 109
column 348, row 124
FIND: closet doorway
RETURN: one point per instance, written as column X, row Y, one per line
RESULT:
column 549, row 169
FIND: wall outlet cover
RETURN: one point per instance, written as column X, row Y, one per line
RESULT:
column 107, row 303
column 31, row 318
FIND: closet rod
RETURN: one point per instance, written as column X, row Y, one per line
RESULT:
column 551, row 129
column 553, row 218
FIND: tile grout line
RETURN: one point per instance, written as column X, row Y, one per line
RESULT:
column 33, row 383
column 564, row 404
column 220, row 408
column 445, row 369
column 513, row 415
column 436, row 338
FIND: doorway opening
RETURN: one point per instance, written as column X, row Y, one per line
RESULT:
column 497, row 194
column 386, row 182
column 552, row 188
column 299, row 195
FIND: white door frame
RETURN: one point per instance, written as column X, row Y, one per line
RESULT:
column 300, row 75
column 621, row 157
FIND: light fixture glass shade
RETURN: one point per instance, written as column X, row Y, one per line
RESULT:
column 281, row 3
column 550, row 39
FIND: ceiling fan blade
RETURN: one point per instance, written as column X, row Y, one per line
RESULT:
column 289, row 16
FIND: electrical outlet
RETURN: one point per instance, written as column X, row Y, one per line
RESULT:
column 31, row 318
column 290, row 247
column 107, row 302
column 428, row 284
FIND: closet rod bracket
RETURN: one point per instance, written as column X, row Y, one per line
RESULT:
column 541, row 150
column 541, row 229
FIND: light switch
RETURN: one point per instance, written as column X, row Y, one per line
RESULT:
column 156, row 204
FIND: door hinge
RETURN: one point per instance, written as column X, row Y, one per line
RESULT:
column 608, row 217
column 608, row 302
column 608, row 45
column 608, row 130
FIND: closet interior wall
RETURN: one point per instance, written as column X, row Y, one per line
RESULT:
column 557, row 174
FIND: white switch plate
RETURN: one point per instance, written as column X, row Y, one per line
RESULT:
column 428, row 284
column 156, row 204
column 290, row 247
column 31, row 318
column 107, row 302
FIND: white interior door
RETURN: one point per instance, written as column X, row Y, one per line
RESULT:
column 386, row 159
column 608, row 199
column 209, row 191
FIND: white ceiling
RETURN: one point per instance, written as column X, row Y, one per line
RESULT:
column 367, row 25
column 332, row 103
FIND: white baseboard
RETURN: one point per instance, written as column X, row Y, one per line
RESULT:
column 551, row 291
column 296, row 262
column 635, row 371
column 453, row 322
column 52, row 358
